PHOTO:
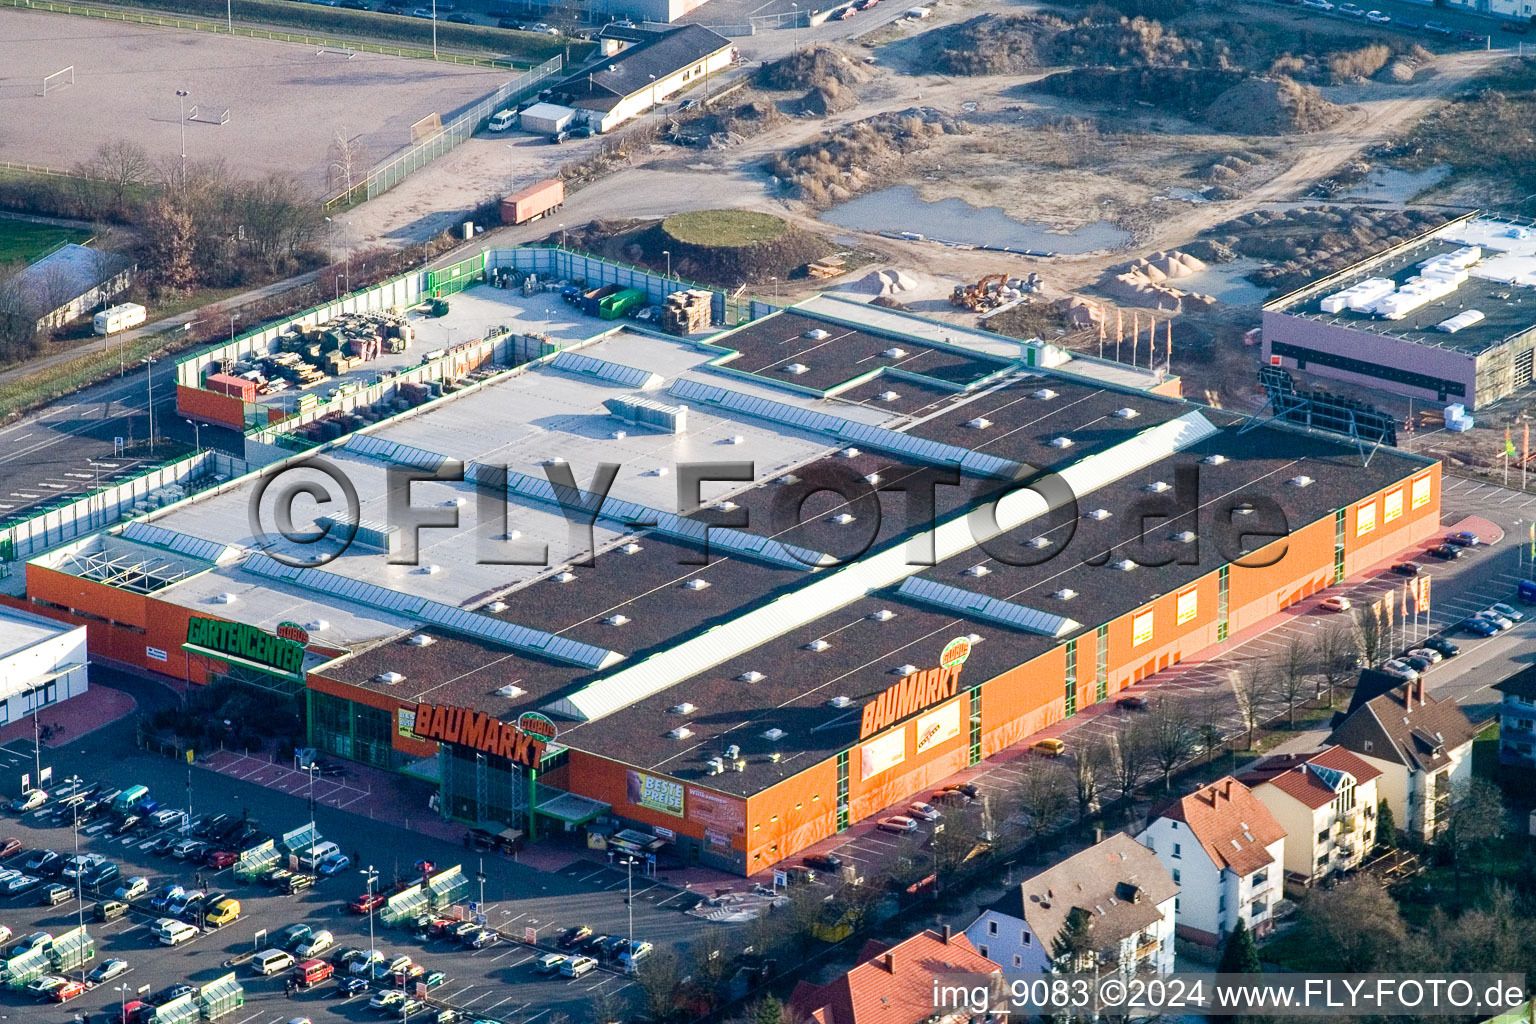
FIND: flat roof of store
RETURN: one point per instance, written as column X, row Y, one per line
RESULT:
column 19, row 631
column 1508, row 306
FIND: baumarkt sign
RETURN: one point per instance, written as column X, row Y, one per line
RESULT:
column 914, row 693
column 478, row 731
column 246, row 643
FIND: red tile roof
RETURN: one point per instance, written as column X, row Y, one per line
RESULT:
column 890, row 986
column 1233, row 827
column 1289, row 774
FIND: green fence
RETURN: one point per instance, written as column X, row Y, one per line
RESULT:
column 454, row 279
column 201, row 25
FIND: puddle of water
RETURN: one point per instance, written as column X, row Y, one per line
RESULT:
column 1391, row 185
column 1226, row 282
column 901, row 209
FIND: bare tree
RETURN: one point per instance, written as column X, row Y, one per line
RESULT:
column 659, row 977
column 1171, row 735
column 1130, row 755
column 1089, row 763
column 1252, row 685
column 1477, row 815
column 346, row 158
column 1292, row 669
column 1370, row 635
column 1044, row 795
column 122, row 165
column 166, row 249
column 857, row 903
column 1336, row 653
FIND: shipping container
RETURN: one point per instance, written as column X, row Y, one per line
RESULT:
column 235, row 387
column 591, row 302
column 616, row 305
column 533, row 202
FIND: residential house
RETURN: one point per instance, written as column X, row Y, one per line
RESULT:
column 1118, row 887
column 1325, row 802
column 894, row 985
column 1517, row 719
column 1421, row 746
column 613, row 88
column 1225, row 851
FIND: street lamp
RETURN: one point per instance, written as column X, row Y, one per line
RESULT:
column 77, row 782
column 629, row 897
column 654, row 111
column 794, row 21
column 372, row 877
column 197, row 442
column 938, row 830
column 149, row 362
column 668, row 254
column 480, row 875
column 181, row 98
column 434, row 29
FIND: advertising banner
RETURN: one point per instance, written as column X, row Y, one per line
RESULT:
column 882, row 754
column 716, row 811
column 943, row 724
column 655, row 794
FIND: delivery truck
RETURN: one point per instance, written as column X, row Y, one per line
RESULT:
column 119, row 318
column 533, row 202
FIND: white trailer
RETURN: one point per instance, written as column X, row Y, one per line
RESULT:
column 119, row 318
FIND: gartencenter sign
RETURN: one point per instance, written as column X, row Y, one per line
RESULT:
column 914, row 693
column 478, row 731
column 247, row 643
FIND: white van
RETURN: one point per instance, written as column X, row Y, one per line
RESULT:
column 118, row 318
column 317, row 853
column 176, row 932
column 271, row 961
column 502, row 120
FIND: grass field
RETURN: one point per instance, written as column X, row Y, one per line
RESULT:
column 723, row 227
column 24, row 242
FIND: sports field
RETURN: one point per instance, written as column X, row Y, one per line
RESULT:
column 286, row 102
column 24, row 242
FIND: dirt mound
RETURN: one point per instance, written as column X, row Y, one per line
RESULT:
column 994, row 44
column 828, row 98
column 859, row 155
column 1183, row 90
column 1272, row 106
column 811, row 67
column 729, row 247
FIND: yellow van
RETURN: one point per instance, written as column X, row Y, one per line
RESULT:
column 223, row 912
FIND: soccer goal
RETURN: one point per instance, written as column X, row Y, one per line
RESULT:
column 336, row 51
column 208, row 114
column 58, row 80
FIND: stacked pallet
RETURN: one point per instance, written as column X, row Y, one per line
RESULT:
column 687, row 311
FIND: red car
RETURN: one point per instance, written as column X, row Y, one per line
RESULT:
column 221, row 859
column 67, row 991
column 9, row 845
column 366, row 902
column 135, row 1011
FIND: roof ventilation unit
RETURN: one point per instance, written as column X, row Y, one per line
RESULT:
column 716, row 766
column 753, row 676
column 616, row 620
column 696, row 584
column 317, row 625
column 1157, row 486
column 1214, row 460
column 631, row 548
column 1045, row 393
column 872, row 478
column 775, row 757
column 685, row 708
column 1185, row 536
column 389, row 678
column 431, row 569
column 816, row 334
column 496, row 606
column 894, row 353
column 618, row 435
column 456, row 503
column 726, row 506
column 1060, row 442
column 850, row 453
column 978, row 570
column 1300, row 481
column 842, row 519
column 225, row 598
column 883, row 615
column 839, row 701
column 815, row 645
column 788, row 478
column 564, row 576
column 1126, row 413
column 682, row 732
column 732, row 752
column 1243, row 510
column 1100, row 513
column 903, row 670
column 510, row 691
column 774, row 735
column 889, row 396
column 421, row 640
column 554, row 460
column 1065, row 594
column 797, row 368
column 1125, row 565
column 1039, row 542
column 736, row 439
column 979, row 423
column 975, row 638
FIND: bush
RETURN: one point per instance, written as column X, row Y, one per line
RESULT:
column 1358, row 65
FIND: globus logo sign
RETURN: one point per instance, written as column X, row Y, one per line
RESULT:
column 535, row 724
column 297, row 633
column 955, row 652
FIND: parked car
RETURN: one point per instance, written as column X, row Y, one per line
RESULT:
column 1440, row 29
column 1478, row 627
column 104, row 874
column 334, row 863
column 107, row 970
column 29, row 801
column 366, row 902
column 133, row 888
column 829, row 862
column 924, row 812
column 578, row 966
column 387, row 1000
column 1461, row 538
column 168, row 893
column 55, row 894
column 1496, row 620
column 1335, row 604
column 970, row 789
column 316, row 944
column 1135, row 702
column 43, row 861
column 1521, row 28
column 573, row 936
column 10, row 846
column 550, row 963
column 170, row 992
column 290, row 936
column 1429, row 654
column 43, row 987
column 1050, row 747
column 898, row 824
column 348, row 987
column 1407, row 24
column 1401, row 669
column 297, row 882
column 220, row 859
column 110, row 910
column 67, row 991
column 20, row 884
column 480, row 939
column 1443, row 646
column 594, row 945
column 1418, row 664
column 1377, row 18
column 1508, row 612
column 1352, row 10
column 1409, row 569
column 1317, row 5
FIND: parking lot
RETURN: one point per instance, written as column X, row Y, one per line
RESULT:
column 498, row 982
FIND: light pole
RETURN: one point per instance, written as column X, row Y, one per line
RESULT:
column 480, row 876
column 232, row 318
column 181, row 98
column 562, row 234
column 629, row 898
column 668, row 254
column 197, row 442
column 76, row 781
column 372, row 877
column 149, row 362
column 434, row 29
column 938, row 829
column 654, row 111
column 186, row 826
column 229, row 15
column 794, row 23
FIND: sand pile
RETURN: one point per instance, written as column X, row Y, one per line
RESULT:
column 1271, row 106
column 1144, row 282
column 885, row 282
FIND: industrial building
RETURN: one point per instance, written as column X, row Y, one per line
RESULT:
column 1449, row 316
column 871, row 587
column 628, row 78
column 42, row 662
column 65, row 285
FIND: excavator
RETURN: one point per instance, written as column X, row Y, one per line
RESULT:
column 982, row 295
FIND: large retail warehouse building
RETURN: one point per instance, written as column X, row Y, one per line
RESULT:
column 744, row 706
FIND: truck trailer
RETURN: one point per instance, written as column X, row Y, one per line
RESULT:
column 533, row 202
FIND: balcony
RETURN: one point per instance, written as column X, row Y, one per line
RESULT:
column 1147, row 950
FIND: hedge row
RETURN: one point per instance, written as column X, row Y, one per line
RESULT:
column 529, row 48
